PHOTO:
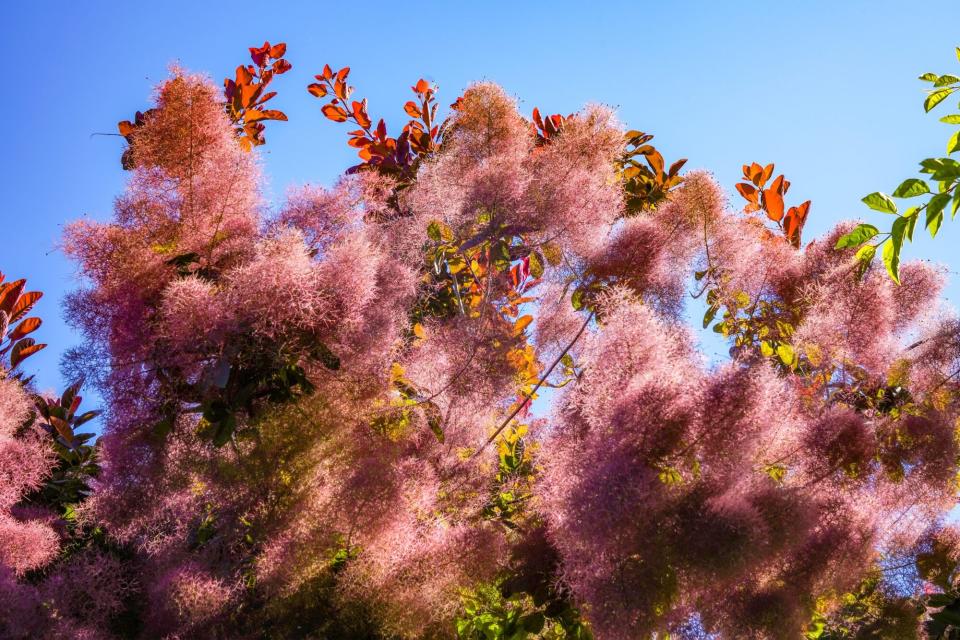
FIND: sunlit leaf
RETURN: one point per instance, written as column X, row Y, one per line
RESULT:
column 880, row 202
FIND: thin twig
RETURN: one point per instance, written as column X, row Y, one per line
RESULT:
column 540, row 382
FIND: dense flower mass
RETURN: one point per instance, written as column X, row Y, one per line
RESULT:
column 318, row 423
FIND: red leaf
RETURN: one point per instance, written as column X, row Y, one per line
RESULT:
column 342, row 74
column 327, row 72
column 277, row 50
column 259, row 54
column 360, row 113
column 422, row 86
column 281, row 66
column 537, row 120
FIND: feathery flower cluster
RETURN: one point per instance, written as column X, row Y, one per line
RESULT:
column 298, row 420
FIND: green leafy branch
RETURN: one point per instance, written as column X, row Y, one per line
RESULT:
column 944, row 172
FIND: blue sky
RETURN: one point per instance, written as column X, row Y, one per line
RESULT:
column 827, row 90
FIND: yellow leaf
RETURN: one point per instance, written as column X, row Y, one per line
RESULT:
column 786, row 354
column 766, row 349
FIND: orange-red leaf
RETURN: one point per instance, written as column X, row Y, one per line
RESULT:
column 277, row 50
column 342, row 74
column 412, row 110
column 767, row 172
column 273, row 114
column 281, row 66
column 793, row 225
column 317, row 90
column 335, row 113
column 10, row 294
column 24, row 304
column 327, row 72
column 773, row 204
column 360, row 114
column 25, row 328
column 422, row 86
column 747, row 190
column 126, row 128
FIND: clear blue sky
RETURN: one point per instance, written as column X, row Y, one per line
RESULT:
column 827, row 90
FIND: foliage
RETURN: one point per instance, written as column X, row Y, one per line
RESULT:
column 944, row 195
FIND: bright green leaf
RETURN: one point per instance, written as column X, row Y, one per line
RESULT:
column 929, row 77
column 880, row 202
column 936, row 97
column 946, row 79
column 954, row 143
column 953, row 118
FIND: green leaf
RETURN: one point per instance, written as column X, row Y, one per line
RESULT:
column 891, row 248
column 536, row 265
column 860, row 234
column 954, row 143
column 929, row 77
column 433, row 231
column 577, row 299
column 880, row 202
column 911, row 216
column 709, row 315
column 936, row 97
column 911, row 188
column 953, row 118
column 945, row 80
column 864, row 257
column 934, row 220
column 956, row 203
